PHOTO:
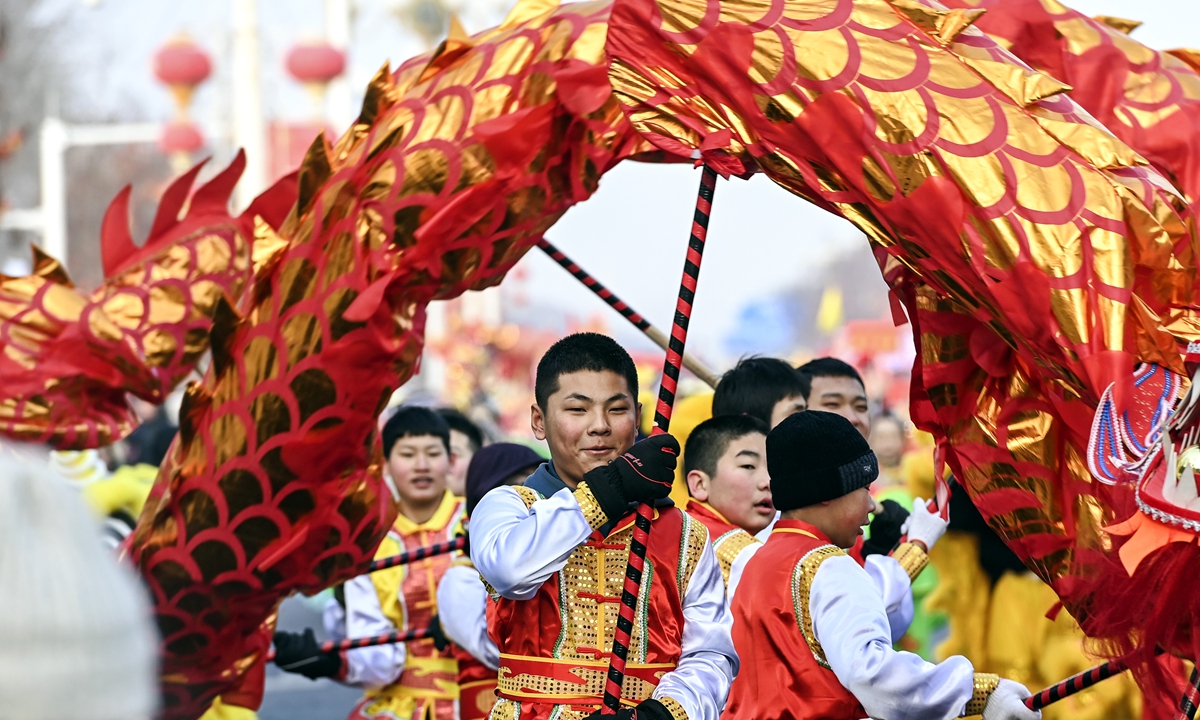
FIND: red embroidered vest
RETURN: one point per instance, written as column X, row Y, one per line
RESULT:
column 554, row 647
column 783, row 673
column 728, row 539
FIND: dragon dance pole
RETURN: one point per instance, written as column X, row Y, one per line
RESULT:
column 416, row 554
column 1191, row 697
column 1075, row 683
column 662, row 421
column 362, row 642
column 698, row 368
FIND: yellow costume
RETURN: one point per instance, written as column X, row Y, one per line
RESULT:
column 427, row 686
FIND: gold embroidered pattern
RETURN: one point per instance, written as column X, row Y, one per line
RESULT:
column 505, row 710
column 593, row 579
column 696, row 537
column 802, row 578
column 529, row 495
column 729, row 546
column 592, row 678
column 985, row 684
column 912, row 558
column 673, row 707
column 590, row 506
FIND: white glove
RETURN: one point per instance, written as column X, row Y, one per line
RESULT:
column 1007, row 703
column 928, row 527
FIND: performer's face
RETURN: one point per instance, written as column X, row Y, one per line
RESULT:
column 787, row 406
column 843, row 396
column 590, row 420
column 419, row 465
column 847, row 516
column 461, row 456
column 741, row 488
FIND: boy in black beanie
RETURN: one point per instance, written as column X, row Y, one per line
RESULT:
column 810, row 617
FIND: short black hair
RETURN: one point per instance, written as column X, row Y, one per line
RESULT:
column 582, row 351
column 414, row 421
column 754, row 385
column 830, row 367
column 710, row 440
column 457, row 421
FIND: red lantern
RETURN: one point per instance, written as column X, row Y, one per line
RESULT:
column 315, row 62
column 181, row 136
column 183, row 65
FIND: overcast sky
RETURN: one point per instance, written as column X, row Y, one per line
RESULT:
column 632, row 234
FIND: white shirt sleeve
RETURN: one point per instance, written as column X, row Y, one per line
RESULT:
column 708, row 663
column 517, row 548
column 370, row 666
column 738, row 566
column 462, row 609
column 333, row 617
column 895, row 588
column 853, row 629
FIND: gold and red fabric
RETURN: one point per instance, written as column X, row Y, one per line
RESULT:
column 1036, row 253
column 554, row 646
column 458, row 163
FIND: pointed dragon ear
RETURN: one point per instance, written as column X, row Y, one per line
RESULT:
column 116, row 242
column 172, row 201
column 213, row 196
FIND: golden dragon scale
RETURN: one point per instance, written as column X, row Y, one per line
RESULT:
column 1036, row 253
column 457, row 165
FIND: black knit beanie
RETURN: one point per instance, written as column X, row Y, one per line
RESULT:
column 816, row 456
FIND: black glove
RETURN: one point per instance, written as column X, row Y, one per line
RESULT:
column 643, row 474
column 646, row 710
column 440, row 641
column 302, row 654
column 885, row 529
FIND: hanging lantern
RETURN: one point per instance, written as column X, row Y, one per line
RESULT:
column 179, row 139
column 315, row 63
column 182, row 64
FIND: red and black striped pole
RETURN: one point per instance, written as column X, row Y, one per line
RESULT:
column 656, row 336
column 662, row 421
column 362, row 642
column 1075, row 683
column 1191, row 697
column 420, row 553
column 384, row 639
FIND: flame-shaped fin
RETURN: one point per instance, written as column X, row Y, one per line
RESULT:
column 49, row 268
column 196, row 400
column 381, row 94
column 314, row 171
column 457, row 31
column 213, row 196
column 1120, row 24
column 1188, row 55
column 942, row 25
column 172, row 201
column 267, row 245
column 274, row 203
column 1022, row 86
column 116, row 242
column 224, row 324
column 456, row 44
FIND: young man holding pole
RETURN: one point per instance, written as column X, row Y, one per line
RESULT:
column 555, row 551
